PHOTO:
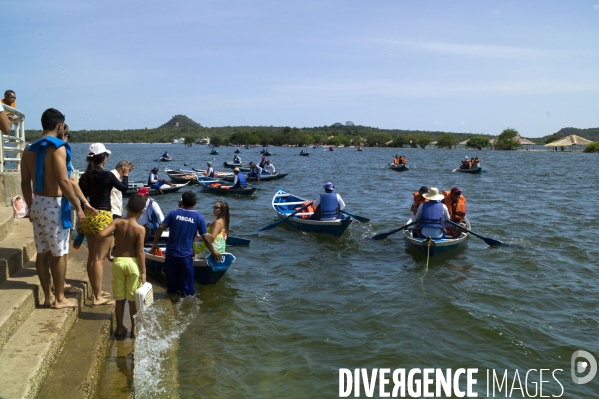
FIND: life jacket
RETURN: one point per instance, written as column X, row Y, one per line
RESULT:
column 39, row 147
column 418, row 199
column 329, row 206
column 152, row 217
column 457, row 210
column 432, row 215
column 241, row 181
column 215, row 185
column 310, row 208
column 150, row 182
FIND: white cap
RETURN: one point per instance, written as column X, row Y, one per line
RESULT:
column 97, row 149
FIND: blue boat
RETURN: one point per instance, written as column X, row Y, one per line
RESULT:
column 434, row 246
column 285, row 204
column 213, row 152
column 225, row 188
column 206, row 271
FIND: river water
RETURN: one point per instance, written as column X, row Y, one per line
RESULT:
column 296, row 308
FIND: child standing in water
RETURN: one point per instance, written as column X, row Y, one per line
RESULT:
column 129, row 265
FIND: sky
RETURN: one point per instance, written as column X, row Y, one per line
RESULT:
column 455, row 66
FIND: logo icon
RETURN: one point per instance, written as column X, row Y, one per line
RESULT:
column 581, row 366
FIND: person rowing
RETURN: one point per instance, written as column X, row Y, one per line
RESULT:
column 236, row 159
column 166, row 156
column 255, row 171
column 210, row 170
column 239, row 180
column 431, row 215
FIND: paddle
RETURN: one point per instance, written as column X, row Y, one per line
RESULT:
column 359, row 218
column 488, row 240
column 382, row 236
column 455, row 169
column 257, row 188
column 236, row 241
column 278, row 222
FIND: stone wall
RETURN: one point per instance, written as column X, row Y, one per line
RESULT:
column 10, row 185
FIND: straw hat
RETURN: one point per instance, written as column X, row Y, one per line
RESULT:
column 433, row 194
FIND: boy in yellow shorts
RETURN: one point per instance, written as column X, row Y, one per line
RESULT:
column 129, row 260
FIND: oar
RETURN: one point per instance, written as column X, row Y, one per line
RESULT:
column 236, row 241
column 488, row 240
column 359, row 218
column 382, row 236
column 257, row 188
column 278, row 222
column 455, row 169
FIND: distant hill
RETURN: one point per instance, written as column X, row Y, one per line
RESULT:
column 180, row 121
column 590, row 134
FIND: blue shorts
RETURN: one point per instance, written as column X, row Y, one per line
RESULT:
column 179, row 275
column 158, row 185
column 153, row 228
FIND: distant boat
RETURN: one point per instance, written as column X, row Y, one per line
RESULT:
column 237, row 151
column 163, row 159
column 304, row 154
column 473, row 170
column 399, row 168
column 331, row 148
column 213, row 152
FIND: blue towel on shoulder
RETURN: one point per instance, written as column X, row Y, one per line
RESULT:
column 39, row 147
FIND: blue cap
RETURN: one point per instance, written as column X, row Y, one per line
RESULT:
column 329, row 186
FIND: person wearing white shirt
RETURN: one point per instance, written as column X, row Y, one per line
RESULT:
column 269, row 167
column 116, row 197
column 151, row 218
column 328, row 204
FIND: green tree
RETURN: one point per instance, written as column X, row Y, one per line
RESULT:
column 478, row 142
column 447, row 140
column 423, row 140
column 216, row 140
column 189, row 141
column 593, row 147
column 507, row 140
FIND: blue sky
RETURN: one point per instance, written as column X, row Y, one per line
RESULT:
column 463, row 66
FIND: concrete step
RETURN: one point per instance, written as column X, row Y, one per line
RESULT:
column 32, row 335
column 6, row 221
column 16, row 249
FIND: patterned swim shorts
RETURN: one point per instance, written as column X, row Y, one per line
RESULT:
column 48, row 233
column 93, row 224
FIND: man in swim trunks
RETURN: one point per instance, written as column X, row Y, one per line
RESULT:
column 44, row 165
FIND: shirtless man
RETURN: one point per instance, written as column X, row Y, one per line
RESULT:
column 50, row 213
column 5, row 122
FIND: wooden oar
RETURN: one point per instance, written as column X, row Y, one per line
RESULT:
column 455, row 169
column 359, row 218
column 278, row 222
column 236, row 241
column 382, row 236
column 257, row 188
column 488, row 240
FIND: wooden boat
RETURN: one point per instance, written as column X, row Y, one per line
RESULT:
column 359, row 148
column 267, row 153
column 163, row 159
column 434, row 246
column 213, row 152
column 233, row 165
column 166, row 189
column 331, row 148
column 304, row 154
column 263, row 176
column 473, row 170
column 398, row 168
column 237, row 151
column 179, row 176
column 285, row 204
column 224, row 188
column 206, row 271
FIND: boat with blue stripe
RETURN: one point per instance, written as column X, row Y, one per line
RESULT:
column 434, row 246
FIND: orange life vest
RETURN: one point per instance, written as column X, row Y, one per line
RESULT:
column 418, row 200
column 457, row 209
column 310, row 208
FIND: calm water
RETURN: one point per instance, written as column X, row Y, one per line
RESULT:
column 295, row 307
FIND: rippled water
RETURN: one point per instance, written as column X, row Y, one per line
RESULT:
column 295, row 307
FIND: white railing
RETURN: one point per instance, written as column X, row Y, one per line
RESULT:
column 14, row 141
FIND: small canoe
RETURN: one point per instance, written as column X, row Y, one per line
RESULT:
column 473, row 170
column 178, row 176
column 213, row 152
column 284, row 204
column 224, row 188
column 267, row 153
column 206, row 271
column 163, row 159
column 399, row 168
column 237, row 151
column 233, row 165
column 166, row 189
column 263, row 176
column 304, row 154
column 434, row 246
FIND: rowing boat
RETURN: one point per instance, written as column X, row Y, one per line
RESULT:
column 166, row 189
column 233, row 165
column 473, row 170
column 434, row 246
column 222, row 187
column 206, row 271
column 263, row 176
column 304, row 154
column 398, row 168
column 179, row 176
column 163, row 159
column 285, row 204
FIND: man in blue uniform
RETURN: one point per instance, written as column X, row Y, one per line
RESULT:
column 329, row 204
column 239, row 181
column 183, row 224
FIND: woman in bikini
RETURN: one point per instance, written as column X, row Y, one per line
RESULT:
column 217, row 230
column 96, row 184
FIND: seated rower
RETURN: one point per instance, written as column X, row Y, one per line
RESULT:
column 456, row 205
column 465, row 164
column 239, row 180
column 236, row 159
column 418, row 200
column 431, row 215
column 328, row 205
column 155, row 182
column 255, row 171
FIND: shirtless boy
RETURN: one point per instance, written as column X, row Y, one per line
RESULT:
column 50, row 214
column 129, row 260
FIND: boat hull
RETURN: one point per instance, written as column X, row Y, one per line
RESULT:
column 434, row 246
column 263, row 177
column 233, row 165
column 226, row 191
column 134, row 188
column 399, row 168
column 284, row 204
column 206, row 271
column 473, row 171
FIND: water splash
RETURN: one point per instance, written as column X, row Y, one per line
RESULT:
column 158, row 331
